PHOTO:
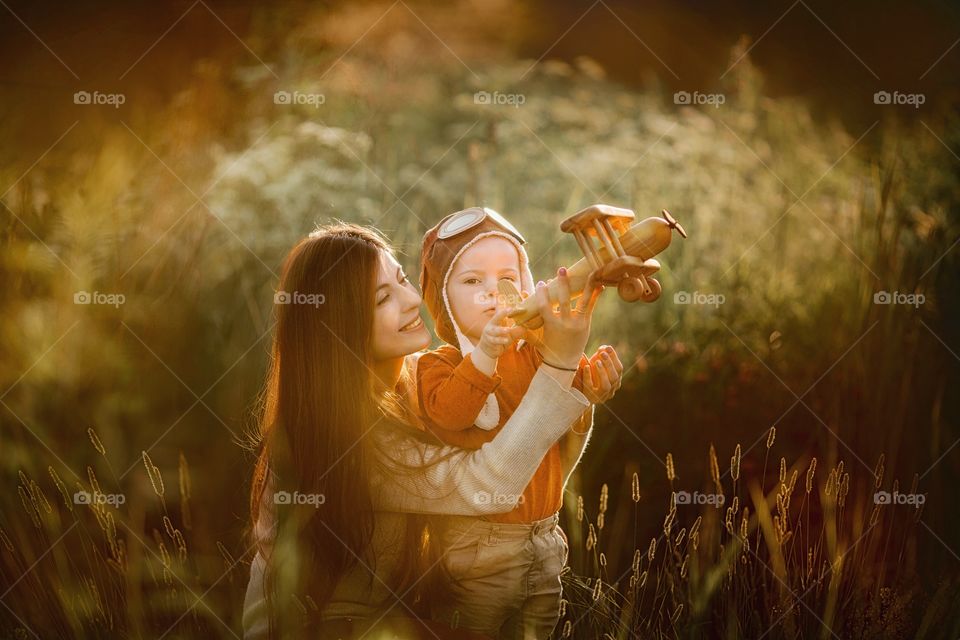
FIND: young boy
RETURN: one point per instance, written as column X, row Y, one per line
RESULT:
column 506, row 567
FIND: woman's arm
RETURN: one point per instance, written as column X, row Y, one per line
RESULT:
column 426, row 478
column 254, row 617
column 599, row 381
column 452, row 481
column 574, row 443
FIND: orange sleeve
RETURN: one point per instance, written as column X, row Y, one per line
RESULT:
column 452, row 395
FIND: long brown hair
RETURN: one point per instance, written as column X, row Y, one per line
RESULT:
column 318, row 403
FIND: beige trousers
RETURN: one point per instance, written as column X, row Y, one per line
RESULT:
column 506, row 577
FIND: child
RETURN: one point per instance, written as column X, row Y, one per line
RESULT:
column 506, row 568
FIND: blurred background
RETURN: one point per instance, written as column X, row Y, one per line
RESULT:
column 795, row 384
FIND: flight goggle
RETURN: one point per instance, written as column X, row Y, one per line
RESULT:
column 469, row 218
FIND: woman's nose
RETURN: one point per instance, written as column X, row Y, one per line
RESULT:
column 412, row 299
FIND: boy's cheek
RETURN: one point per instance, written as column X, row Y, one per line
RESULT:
column 464, row 305
column 463, row 312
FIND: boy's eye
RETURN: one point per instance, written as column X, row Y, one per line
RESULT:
column 510, row 278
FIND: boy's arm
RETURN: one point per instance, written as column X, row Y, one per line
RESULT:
column 451, row 396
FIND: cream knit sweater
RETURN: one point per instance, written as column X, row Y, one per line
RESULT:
column 451, row 486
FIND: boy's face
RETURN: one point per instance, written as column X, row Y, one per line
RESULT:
column 472, row 286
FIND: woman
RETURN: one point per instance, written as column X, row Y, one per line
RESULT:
column 344, row 479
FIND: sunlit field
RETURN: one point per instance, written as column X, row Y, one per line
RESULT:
column 779, row 463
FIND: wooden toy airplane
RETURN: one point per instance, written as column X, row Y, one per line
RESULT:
column 624, row 256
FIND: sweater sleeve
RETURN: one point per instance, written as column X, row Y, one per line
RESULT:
column 451, row 396
column 583, row 367
column 254, row 618
column 448, row 480
column 574, row 443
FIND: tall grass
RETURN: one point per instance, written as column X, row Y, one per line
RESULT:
column 813, row 555
column 89, row 560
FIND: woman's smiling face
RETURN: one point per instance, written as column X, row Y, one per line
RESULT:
column 398, row 329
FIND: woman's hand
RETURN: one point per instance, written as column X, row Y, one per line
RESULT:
column 604, row 377
column 565, row 332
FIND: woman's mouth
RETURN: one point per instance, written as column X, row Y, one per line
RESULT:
column 412, row 326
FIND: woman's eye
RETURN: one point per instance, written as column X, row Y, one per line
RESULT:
column 510, row 278
column 383, row 299
column 471, row 281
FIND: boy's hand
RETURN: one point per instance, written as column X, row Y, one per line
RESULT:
column 602, row 378
column 497, row 336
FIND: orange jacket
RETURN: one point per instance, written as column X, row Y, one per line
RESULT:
column 451, row 392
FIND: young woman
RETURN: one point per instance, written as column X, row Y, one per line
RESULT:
column 345, row 480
